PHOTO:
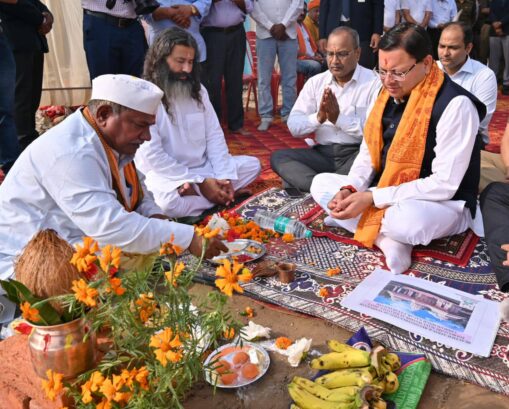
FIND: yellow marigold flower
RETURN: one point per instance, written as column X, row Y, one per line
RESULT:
column 168, row 347
column 147, row 306
column 104, row 404
column 288, row 238
column 110, row 256
column 168, row 248
column 206, row 232
column 229, row 333
column 53, row 386
column 230, row 277
column 331, row 272
column 30, row 314
column 323, row 292
column 85, row 256
column 172, row 275
column 249, row 312
column 142, row 377
column 96, row 380
column 108, row 390
column 116, row 286
column 83, row 293
column 86, row 392
column 283, row 342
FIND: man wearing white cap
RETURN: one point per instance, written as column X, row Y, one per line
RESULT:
column 79, row 179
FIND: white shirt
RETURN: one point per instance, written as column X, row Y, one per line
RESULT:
column 266, row 13
column 417, row 8
column 353, row 98
column 443, row 11
column 480, row 80
column 188, row 148
column 62, row 181
column 390, row 9
column 455, row 137
column 121, row 9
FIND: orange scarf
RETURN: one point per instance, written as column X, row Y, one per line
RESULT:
column 130, row 173
column 312, row 28
column 302, row 42
column 404, row 158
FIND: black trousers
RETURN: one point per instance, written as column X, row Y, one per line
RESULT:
column 434, row 35
column 495, row 213
column 225, row 59
column 298, row 167
column 368, row 58
column 29, row 67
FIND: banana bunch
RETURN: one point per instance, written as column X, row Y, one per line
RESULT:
column 356, row 381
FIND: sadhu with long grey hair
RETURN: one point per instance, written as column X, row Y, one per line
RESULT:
column 187, row 164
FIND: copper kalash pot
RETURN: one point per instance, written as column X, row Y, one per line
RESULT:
column 63, row 348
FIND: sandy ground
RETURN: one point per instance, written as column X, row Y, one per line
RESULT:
column 270, row 392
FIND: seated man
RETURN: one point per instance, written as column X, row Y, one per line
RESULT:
column 79, row 179
column 333, row 105
column 495, row 211
column 420, row 155
column 309, row 60
column 187, row 164
column 454, row 46
column 495, row 166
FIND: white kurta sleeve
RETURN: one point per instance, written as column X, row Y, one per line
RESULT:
column 362, row 172
column 485, row 89
column 148, row 206
column 80, row 186
column 456, row 132
column 302, row 120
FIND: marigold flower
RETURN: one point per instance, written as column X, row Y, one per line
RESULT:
column 110, row 256
column 168, row 248
column 168, row 347
column 283, row 342
column 147, row 306
column 142, row 377
column 84, row 257
column 172, row 275
column 206, row 232
column 83, row 293
column 229, row 333
column 248, row 312
column 288, row 238
column 331, row 272
column 29, row 314
column 104, row 404
column 323, row 292
column 116, row 286
column 53, row 386
column 231, row 277
column 108, row 389
column 92, row 385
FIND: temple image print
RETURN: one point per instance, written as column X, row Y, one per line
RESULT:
column 427, row 305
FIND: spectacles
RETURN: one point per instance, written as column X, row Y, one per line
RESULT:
column 398, row 76
column 341, row 55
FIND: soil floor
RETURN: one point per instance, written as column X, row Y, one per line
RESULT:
column 442, row 392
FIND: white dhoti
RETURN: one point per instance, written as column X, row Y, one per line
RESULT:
column 405, row 224
column 174, row 205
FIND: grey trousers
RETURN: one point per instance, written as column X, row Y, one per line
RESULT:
column 499, row 48
column 298, row 167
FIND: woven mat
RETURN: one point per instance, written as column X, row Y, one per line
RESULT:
column 314, row 256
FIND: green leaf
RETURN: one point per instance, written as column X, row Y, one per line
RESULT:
column 11, row 293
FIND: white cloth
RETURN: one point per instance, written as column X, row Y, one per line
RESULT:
column 129, row 91
column 480, row 80
column 62, row 181
column 307, row 42
column 124, row 9
column 443, row 11
column 266, row 13
column 390, row 9
column 417, row 8
column 455, row 136
column 353, row 98
column 189, row 147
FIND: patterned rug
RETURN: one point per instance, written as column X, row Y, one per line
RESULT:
column 314, row 256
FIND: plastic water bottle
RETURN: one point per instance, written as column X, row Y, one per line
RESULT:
column 281, row 224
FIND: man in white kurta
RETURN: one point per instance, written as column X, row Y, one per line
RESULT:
column 441, row 200
column 63, row 181
column 350, row 88
column 187, row 157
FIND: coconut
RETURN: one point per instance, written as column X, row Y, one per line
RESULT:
column 44, row 265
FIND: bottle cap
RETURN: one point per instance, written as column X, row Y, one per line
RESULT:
column 308, row 234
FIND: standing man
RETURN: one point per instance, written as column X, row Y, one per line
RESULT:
column 467, row 11
column 499, row 40
column 417, row 11
column 26, row 25
column 417, row 173
column 364, row 17
column 455, row 45
column 442, row 12
column 225, row 37
column 333, row 105
column 276, row 34
column 9, row 146
column 113, row 38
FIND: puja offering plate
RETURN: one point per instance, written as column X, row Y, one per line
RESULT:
column 241, row 250
column 235, row 366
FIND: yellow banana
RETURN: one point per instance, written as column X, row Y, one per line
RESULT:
column 378, row 404
column 355, row 358
column 294, row 406
column 336, row 346
column 306, row 400
column 391, row 382
column 345, row 394
column 346, row 377
column 393, row 361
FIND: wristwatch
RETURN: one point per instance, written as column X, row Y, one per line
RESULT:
column 194, row 11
